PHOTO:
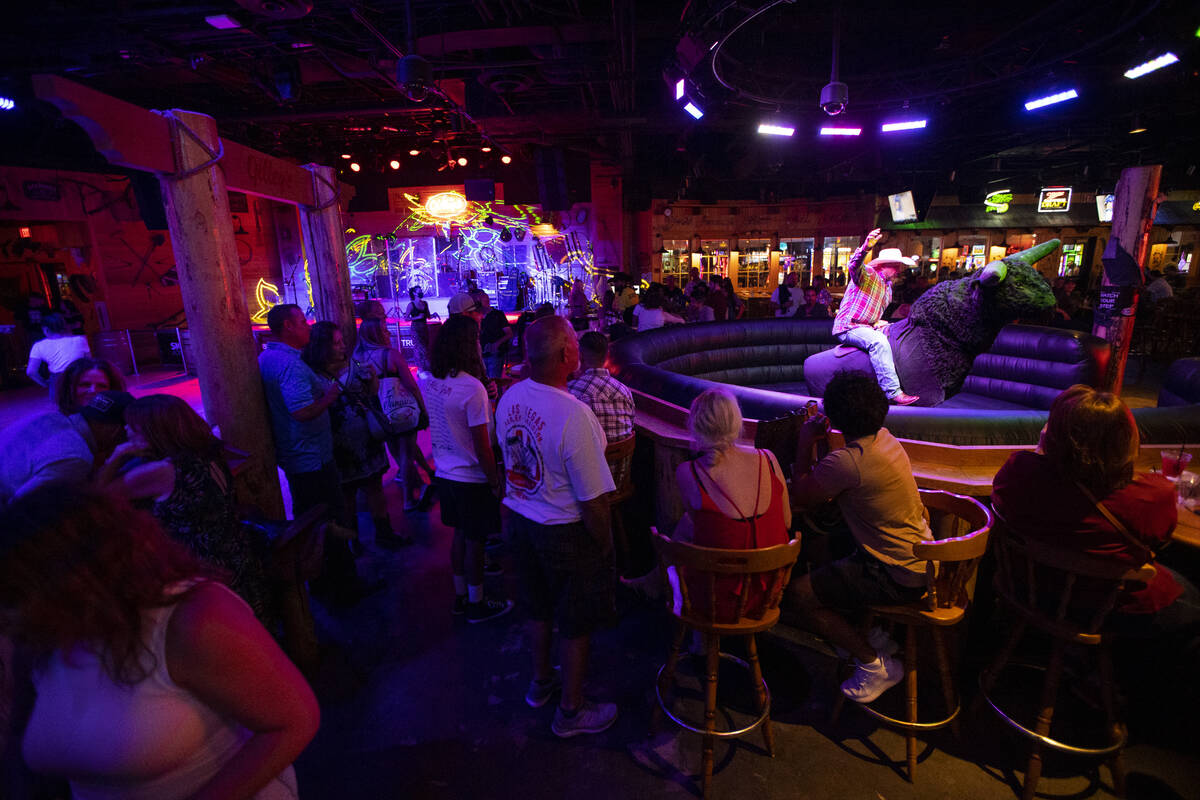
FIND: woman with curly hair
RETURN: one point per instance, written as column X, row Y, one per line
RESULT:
column 173, row 461
column 149, row 675
column 361, row 459
column 83, row 379
column 375, row 348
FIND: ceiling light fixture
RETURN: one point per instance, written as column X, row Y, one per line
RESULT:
column 1138, row 129
column 394, row 164
column 910, row 125
column 7, row 104
column 826, row 131
column 680, row 85
column 1166, row 59
column 506, row 159
column 694, row 110
column 1050, row 100
column 414, row 152
column 347, row 156
column 462, row 161
column 485, row 149
column 771, row 129
column 354, row 167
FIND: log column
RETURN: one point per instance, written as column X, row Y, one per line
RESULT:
column 210, row 280
column 324, row 243
column 1134, row 207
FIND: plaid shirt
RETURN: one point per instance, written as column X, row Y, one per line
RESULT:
column 610, row 400
column 867, row 295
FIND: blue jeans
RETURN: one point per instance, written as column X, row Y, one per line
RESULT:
column 877, row 347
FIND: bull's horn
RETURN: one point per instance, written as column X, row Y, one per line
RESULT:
column 993, row 273
column 1037, row 252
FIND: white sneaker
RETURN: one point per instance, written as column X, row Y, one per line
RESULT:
column 590, row 718
column 871, row 680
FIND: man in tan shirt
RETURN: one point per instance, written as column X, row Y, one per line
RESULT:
column 872, row 482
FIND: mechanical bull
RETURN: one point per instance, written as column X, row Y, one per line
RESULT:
column 948, row 326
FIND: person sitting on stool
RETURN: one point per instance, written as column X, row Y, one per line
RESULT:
column 859, row 321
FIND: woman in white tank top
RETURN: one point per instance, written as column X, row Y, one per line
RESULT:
column 154, row 682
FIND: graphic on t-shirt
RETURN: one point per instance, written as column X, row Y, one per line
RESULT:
column 523, row 459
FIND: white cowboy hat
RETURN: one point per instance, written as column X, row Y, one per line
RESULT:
column 892, row 255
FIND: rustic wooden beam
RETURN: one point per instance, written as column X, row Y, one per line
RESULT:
column 210, row 280
column 247, row 170
column 324, row 243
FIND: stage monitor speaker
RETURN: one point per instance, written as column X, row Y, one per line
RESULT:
column 549, row 163
column 480, row 190
column 149, row 200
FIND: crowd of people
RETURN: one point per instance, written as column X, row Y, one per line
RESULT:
column 134, row 591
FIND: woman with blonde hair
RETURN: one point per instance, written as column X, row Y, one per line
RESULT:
column 734, row 496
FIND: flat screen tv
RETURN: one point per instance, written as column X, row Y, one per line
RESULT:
column 904, row 209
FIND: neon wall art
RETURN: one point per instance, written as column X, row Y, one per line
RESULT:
column 477, row 239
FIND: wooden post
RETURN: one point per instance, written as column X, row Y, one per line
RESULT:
column 1124, row 260
column 325, row 245
column 210, row 280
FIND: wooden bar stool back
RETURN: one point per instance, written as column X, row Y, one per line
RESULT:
column 619, row 455
column 1069, row 597
column 694, row 580
column 961, row 527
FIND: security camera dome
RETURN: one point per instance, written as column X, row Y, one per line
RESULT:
column 835, row 97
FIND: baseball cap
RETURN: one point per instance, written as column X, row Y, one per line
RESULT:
column 462, row 303
column 107, row 408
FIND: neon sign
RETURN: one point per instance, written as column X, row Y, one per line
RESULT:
column 446, row 205
column 997, row 202
column 266, row 294
column 1054, row 199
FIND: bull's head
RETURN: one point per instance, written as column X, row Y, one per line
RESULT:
column 1014, row 288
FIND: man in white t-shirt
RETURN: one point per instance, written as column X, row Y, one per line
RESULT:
column 460, row 428
column 787, row 298
column 557, row 488
column 56, row 351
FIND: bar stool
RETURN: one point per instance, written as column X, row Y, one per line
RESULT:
column 619, row 455
column 961, row 526
column 693, row 605
column 1039, row 582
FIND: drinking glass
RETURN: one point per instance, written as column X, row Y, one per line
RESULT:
column 1174, row 462
column 1188, row 488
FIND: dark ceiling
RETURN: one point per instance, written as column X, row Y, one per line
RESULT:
column 312, row 79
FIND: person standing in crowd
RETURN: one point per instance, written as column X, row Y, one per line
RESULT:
column 557, row 488
column 626, row 295
column 717, row 300
column 650, row 314
column 694, row 280
column 375, row 349
column 1159, row 288
column 418, row 314
column 495, row 334
column 53, row 448
column 183, row 473
column 468, row 479
column 298, row 403
column 56, row 351
column 823, row 295
column 871, row 479
column 577, row 306
column 859, row 321
column 786, row 297
column 609, row 399
column 83, row 379
column 152, row 679
column 672, row 294
column 31, row 315
column 812, row 307
column 360, row 457
column 698, row 309
column 736, row 306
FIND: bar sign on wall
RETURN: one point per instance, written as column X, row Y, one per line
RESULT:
column 1054, row 198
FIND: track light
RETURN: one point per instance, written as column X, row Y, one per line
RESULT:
column 505, row 159
column 485, row 149
column 414, row 152
column 394, row 164
column 462, row 161
column 354, row 167
column 347, row 156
